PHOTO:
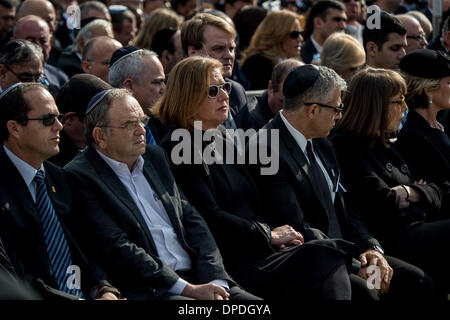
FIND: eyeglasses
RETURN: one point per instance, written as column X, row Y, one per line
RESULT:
column 28, row 77
column 338, row 109
column 295, row 34
column 49, row 119
column 214, row 89
column 418, row 37
column 132, row 125
column 400, row 101
column 347, row 1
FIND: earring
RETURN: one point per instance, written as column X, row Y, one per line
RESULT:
column 431, row 100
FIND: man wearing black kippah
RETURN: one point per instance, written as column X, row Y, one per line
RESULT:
column 307, row 192
column 37, row 223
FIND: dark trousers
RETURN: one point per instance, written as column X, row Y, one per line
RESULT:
column 308, row 272
column 426, row 246
column 408, row 283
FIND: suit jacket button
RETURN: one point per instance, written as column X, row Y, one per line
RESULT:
column 389, row 167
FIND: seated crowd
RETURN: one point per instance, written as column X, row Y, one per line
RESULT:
column 150, row 154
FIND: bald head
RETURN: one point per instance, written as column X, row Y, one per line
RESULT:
column 36, row 30
column 415, row 35
column 97, row 54
column 40, row 8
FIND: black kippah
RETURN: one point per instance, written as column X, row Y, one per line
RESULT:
column 299, row 80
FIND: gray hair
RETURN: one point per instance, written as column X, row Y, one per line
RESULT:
column 130, row 67
column 322, row 91
column 87, row 31
column 20, row 51
column 99, row 115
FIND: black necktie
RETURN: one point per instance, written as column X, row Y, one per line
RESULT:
column 334, row 230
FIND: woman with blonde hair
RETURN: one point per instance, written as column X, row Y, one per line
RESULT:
column 161, row 18
column 400, row 209
column 278, row 37
column 273, row 263
column 344, row 54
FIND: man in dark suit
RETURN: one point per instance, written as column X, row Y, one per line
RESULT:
column 325, row 18
column 209, row 35
column 38, row 227
column 305, row 191
column 136, row 219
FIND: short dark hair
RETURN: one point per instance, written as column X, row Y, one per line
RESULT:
column 13, row 106
column 8, row 4
column 163, row 40
column 117, row 19
column 388, row 24
column 320, row 9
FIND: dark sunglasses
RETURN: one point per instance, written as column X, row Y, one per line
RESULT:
column 400, row 101
column 418, row 37
column 338, row 109
column 49, row 119
column 214, row 89
column 295, row 34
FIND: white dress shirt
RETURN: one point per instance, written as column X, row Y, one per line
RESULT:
column 167, row 244
column 302, row 142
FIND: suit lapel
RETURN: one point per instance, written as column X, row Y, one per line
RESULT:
column 111, row 180
column 13, row 181
column 298, row 157
column 159, row 186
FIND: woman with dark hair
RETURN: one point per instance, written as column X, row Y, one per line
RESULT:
column 399, row 207
column 422, row 140
column 273, row 263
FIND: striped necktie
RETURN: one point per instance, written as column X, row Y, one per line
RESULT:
column 55, row 240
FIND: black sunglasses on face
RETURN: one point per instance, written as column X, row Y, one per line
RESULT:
column 295, row 34
column 213, row 90
column 49, row 119
column 338, row 109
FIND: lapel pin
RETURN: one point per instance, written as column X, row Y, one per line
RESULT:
column 389, row 167
column 53, row 189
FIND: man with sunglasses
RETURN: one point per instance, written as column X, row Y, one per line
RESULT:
column 145, row 234
column 307, row 190
column 21, row 61
column 325, row 18
column 38, row 226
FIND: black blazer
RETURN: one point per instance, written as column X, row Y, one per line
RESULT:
column 425, row 148
column 289, row 197
column 369, row 171
column 308, row 51
column 22, row 234
column 258, row 69
column 238, row 104
column 259, row 110
column 118, row 234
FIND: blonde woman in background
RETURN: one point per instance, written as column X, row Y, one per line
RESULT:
column 344, row 54
column 270, row 45
column 162, row 18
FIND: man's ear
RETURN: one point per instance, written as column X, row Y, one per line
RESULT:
column 85, row 65
column 13, row 128
column 311, row 111
column 128, row 84
column 99, row 137
column 165, row 57
column 194, row 52
column 371, row 48
column 3, row 71
column 317, row 22
column 270, row 88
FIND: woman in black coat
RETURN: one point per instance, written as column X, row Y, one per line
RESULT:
column 401, row 209
column 271, row 262
column 422, row 140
